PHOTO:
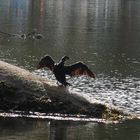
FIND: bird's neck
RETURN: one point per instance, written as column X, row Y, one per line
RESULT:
column 61, row 62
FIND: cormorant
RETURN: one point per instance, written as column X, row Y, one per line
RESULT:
column 60, row 70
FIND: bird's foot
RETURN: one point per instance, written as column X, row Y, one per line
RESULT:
column 68, row 84
column 59, row 84
column 63, row 84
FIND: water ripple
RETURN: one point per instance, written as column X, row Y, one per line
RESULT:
column 123, row 93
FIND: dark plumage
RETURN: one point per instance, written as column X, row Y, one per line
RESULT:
column 60, row 70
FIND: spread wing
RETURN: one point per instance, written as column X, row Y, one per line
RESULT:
column 78, row 69
column 46, row 61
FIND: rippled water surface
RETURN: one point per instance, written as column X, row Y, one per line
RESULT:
column 28, row 129
column 105, row 34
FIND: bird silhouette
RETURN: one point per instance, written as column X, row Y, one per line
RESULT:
column 60, row 70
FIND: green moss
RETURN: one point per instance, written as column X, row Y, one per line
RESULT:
column 112, row 114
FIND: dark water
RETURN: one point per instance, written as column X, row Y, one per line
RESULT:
column 15, row 129
column 105, row 34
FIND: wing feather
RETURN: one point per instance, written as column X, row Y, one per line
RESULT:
column 78, row 69
column 46, row 61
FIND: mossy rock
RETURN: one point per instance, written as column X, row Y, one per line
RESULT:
column 21, row 90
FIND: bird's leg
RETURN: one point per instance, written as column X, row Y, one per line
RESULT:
column 63, row 84
column 59, row 84
column 66, row 84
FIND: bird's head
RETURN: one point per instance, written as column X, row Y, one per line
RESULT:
column 46, row 61
column 64, row 58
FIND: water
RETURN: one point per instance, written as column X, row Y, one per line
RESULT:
column 102, row 33
column 28, row 129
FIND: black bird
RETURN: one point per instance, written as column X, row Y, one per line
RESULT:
column 60, row 70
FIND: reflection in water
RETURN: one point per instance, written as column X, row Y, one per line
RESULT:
column 23, row 129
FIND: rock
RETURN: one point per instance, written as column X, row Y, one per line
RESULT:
column 23, row 91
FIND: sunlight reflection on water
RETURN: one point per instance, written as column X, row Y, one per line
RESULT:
column 123, row 93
